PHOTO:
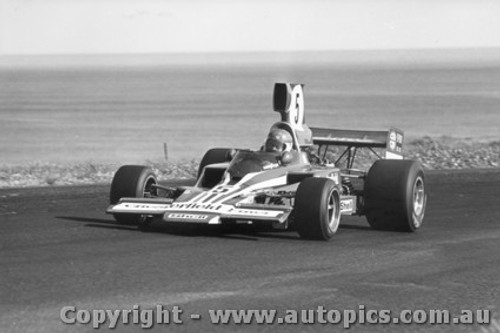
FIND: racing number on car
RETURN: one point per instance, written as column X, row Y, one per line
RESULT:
column 296, row 112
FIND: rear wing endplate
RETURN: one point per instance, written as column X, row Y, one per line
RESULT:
column 391, row 140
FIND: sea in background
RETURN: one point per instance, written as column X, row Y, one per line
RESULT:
column 121, row 109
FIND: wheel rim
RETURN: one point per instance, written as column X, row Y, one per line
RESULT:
column 418, row 200
column 333, row 211
column 148, row 190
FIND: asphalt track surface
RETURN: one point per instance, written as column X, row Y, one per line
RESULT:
column 58, row 248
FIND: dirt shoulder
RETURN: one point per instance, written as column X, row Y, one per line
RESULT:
column 435, row 154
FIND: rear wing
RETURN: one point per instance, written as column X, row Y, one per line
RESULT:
column 288, row 100
column 391, row 140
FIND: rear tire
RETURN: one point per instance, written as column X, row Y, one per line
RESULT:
column 395, row 196
column 317, row 209
column 213, row 156
column 132, row 181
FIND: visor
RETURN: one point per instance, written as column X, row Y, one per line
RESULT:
column 273, row 145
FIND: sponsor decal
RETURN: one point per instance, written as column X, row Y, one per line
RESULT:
column 184, row 216
column 129, row 206
column 346, row 205
column 392, row 145
column 186, row 208
column 399, row 138
column 254, row 212
column 393, row 156
column 334, row 176
column 270, row 166
column 196, row 207
column 396, row 142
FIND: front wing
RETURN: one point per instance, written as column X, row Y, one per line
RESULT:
column 171, row 211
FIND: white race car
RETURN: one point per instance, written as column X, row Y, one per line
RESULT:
column 290, row 187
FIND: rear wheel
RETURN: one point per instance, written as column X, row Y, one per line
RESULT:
column 395, row 197
column 132, row 181
column 317, row 209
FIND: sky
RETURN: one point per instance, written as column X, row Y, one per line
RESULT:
column 178, row 26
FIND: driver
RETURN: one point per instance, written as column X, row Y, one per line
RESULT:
column 278, row 140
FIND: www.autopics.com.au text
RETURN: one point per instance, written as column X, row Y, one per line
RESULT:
column 175, row 315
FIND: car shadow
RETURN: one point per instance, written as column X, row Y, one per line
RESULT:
column 99, row 223
column 86, row 219
column 253, row 232
column 240, row 232
column 355, row 227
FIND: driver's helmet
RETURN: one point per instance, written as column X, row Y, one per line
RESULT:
column 278, row 140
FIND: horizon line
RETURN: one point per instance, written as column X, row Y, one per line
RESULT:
column 221, row 52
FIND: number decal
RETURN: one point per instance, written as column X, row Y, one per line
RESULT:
column 288, row 100
column 296, row 111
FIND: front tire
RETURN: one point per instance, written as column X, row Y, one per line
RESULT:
column 317, row 209
column 132, row 181
column 395, row 197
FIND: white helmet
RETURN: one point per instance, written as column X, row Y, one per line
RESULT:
column 278, row 140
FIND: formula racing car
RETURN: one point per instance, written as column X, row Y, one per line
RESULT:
column 288, row 183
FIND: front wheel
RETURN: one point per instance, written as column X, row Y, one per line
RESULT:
column 317, row 209
column 395, row 197
column 132, row 181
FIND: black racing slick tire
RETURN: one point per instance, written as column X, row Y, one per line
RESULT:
column 213, row 156
column 394, row 195
column 131, row 181
column 317, row 209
